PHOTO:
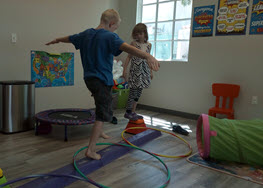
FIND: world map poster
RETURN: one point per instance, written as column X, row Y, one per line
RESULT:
column 52, row 70
column 232, row 17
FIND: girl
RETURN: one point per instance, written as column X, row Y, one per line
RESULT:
column 140, row 74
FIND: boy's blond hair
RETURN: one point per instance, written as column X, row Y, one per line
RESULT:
column 110, row 15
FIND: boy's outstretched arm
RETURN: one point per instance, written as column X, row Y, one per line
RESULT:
column 152, row 62
column 57, row 40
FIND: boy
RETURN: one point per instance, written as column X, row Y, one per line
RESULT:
column 97, row 48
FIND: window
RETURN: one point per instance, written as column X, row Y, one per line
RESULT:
column 169, row 23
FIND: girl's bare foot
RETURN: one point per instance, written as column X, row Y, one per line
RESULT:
column 103, row 135
column 93, row 155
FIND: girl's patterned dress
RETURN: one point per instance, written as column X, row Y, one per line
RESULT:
column 140, row 73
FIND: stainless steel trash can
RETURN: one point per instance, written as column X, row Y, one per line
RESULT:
column 17, row 106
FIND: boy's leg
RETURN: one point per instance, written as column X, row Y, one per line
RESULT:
column 103, row 135
column 95, row 134
column 103, row 102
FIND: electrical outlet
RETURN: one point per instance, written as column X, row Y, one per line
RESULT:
column 254, row 100
column 13, row 37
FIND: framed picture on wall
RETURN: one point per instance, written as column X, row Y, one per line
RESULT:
column 232, row 17
column 203, row 21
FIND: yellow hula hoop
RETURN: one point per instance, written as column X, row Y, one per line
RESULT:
column 167, row 156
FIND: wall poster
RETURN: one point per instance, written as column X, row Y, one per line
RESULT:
column 203, row 22
column 52, row 70
column 232, row 17
column 256, row 24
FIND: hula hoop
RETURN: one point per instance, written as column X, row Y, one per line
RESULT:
column 46, row 175
column 134, row 147
column 167, row 156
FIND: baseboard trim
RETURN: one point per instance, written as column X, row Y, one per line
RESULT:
column 167, row 111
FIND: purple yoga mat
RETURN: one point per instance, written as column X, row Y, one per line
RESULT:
column 88, row 166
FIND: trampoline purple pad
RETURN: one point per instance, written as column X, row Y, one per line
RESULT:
column 70, row 116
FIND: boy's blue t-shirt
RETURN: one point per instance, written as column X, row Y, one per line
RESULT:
column 97, row 48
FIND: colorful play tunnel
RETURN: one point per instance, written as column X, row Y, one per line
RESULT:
column 230, row 140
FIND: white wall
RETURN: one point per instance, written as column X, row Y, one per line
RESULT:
column 177, row 86
column 128, row 16
column 186, row 87
column 36, row 22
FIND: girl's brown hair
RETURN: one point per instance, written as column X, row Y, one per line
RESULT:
column 140, row 28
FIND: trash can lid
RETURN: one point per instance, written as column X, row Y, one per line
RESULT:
column 16, row 82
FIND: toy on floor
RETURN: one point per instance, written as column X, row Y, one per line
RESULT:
column 120, row 84
column 230, row 140
column 66, row 175
column 117, row 71
column 137, row 123
column 125, row 145
column 3, row 179
column 159, row 130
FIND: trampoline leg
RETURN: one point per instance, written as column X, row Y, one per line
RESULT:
column 36, row 128
column 66, row 133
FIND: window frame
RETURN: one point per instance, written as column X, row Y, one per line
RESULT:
column 174, row 20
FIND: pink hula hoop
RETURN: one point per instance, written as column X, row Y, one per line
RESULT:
column 204, row 149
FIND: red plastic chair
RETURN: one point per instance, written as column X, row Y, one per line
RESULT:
column 224, row 91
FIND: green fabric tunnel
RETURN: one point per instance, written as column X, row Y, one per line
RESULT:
column 230, row 140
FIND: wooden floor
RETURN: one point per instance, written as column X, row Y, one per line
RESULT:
column 23, row 154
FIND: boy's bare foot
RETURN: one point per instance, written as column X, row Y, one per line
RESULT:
column 103, row 135
column 93, row 155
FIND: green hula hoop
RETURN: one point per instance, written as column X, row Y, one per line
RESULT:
column 112, row 144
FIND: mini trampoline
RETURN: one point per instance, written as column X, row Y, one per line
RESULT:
column 66, row 117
